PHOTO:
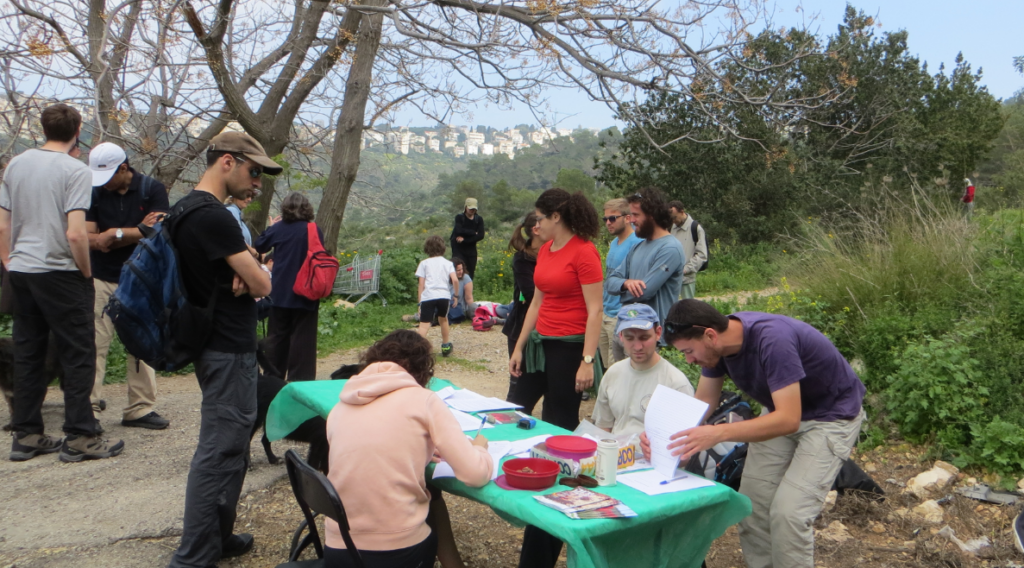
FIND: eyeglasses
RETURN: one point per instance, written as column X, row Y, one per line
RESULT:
column 253, row 172
column 612, row 218
column 673, row 328
column 578, row 481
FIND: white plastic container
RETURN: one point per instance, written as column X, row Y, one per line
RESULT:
column 607, row 462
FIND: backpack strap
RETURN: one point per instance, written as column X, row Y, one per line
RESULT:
column 145, row 186
column 694, row 234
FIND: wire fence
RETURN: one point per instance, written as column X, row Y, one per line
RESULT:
column 359, row 278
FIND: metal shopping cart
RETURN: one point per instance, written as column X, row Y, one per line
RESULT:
column 362, row 276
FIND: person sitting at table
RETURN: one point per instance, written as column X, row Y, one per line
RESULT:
column 628, row 385
column 382, row 434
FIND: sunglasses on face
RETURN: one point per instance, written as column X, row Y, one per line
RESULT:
column 612, row 218
column 673, row 328
column 253, row 172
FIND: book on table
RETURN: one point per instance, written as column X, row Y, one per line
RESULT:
column 582, row 503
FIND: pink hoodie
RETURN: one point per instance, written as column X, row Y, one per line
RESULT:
column 382, row 436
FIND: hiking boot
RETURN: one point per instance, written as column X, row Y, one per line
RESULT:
column 237, row 545
column 28, row 446
column 78, row 448
column 153, row 421
column 99, row 427
column 446, row 349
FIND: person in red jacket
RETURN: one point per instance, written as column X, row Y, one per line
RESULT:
column 968, row 198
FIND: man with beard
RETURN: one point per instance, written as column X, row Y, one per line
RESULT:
column 616, row 220
column 652, row 273
column 217, row 268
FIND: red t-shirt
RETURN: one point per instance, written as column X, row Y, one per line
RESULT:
column 560, row 275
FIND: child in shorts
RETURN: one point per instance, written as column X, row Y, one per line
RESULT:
column 436, row 281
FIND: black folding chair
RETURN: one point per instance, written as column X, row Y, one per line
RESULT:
column 315, row 495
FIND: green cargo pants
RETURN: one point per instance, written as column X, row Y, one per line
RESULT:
column 786, row 480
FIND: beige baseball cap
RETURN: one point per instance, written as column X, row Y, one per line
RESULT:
column 241, row 143
column 471, row 203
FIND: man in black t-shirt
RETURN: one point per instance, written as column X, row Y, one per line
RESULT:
column 122, row 199
column 216, row 266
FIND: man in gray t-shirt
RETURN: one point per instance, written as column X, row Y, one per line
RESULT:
column 652, row 273
column 44, row 244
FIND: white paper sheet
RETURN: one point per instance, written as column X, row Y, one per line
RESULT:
column 469, row 401
column 650, row 482
column 497, row 450
column 669, row 411
column 468, row 423
column 523, row 446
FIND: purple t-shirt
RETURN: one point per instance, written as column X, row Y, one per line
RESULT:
column 778, row 351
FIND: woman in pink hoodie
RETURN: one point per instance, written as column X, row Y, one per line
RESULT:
column 383, row 434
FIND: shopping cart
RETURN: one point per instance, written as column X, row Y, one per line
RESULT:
column 362, row 276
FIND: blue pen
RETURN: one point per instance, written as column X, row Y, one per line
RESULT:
column 667, row 481
column 481, row 428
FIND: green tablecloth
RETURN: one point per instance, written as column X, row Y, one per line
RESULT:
column 672, row 530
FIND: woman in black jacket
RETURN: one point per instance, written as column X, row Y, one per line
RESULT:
column 467, row 232
column 526, row 243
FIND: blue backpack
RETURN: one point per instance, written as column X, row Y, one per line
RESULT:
column 150, row 308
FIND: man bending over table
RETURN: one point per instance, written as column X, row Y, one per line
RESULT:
column 812, row 401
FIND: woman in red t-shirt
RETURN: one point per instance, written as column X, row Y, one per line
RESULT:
column 564, row 319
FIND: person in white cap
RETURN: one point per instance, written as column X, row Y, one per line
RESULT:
column 467, row 232
column 45, row 246
column 122, row 199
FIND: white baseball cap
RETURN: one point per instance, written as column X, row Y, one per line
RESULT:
column 104, row 160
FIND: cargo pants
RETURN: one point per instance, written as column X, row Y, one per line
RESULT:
column 786, row 480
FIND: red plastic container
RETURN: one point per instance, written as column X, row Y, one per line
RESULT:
column 571, row 447
column 542, row 475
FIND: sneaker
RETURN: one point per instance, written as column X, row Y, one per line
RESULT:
column 446, row 349
column 1018, row 531
column 28, row 446
column 237, row 545
column 585, row 396
column 78, row 448
column 153, row 421
column 100, row 406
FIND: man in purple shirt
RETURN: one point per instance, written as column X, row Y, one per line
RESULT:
column 812, row 417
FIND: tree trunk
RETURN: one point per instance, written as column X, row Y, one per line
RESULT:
column 349, row 129
column 257, row 211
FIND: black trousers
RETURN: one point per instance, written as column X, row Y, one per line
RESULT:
column 61, row 302
column 557, row 384
column 291, row 343
column 217, row 472
column 420, row 555
column 467, row 254
column 512, row 379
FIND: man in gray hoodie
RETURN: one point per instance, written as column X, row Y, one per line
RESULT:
column 652, row 273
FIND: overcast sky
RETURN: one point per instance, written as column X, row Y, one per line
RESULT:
column 988, row 32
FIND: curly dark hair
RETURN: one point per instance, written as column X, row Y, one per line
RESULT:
column 575, row 210
column 406, row 348
column 296, row 207
column 652, row 203
column 457, row 262
column 434, row 246
column 689, row 318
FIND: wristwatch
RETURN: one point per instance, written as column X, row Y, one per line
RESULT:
column 119, row 234
column 588, row 359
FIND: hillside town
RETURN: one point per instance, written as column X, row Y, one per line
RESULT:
column 464, row 141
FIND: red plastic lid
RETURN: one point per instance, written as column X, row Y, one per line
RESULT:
column 572, row 444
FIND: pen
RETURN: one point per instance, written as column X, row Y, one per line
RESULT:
column 481, row 428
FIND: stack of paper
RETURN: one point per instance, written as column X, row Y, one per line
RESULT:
column 468, row 423
column 469, row 401
column 497, row 451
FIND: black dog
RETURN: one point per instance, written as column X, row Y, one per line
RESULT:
column 52, row 368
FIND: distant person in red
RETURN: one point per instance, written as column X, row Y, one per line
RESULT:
column 968, row 198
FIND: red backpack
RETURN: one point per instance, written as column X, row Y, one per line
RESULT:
column 316, row 276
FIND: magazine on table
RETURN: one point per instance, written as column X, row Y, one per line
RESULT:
column 582, row 503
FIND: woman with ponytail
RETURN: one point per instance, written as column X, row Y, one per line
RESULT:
column 556, row 355
column 557, row 346
column 526, row 243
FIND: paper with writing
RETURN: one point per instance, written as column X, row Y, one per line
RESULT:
column 650, row 482
column 669, row 411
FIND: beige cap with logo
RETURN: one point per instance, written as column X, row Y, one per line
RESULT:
column 241, row 143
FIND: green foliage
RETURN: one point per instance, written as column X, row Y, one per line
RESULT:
column 937, row 390
column 892, row 125
column 735, row 268
column 340, row 328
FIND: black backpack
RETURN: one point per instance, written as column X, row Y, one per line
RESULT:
column 724, row 462
column 695, row 235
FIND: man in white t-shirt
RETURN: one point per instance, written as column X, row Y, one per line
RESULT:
column 436, row 281
column 627, row 386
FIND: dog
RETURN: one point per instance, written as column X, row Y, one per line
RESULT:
column 52, row 368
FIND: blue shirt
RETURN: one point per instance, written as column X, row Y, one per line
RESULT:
column 616, row 256
column 237, row 214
